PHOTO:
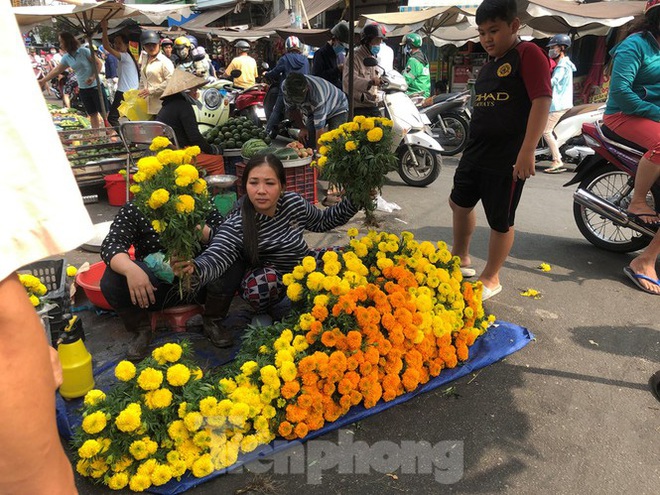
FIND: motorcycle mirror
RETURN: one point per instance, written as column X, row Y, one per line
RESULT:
column 265, row 65
column 235, row 73
column 370, row 62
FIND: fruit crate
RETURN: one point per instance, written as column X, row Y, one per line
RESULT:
column 300, row 179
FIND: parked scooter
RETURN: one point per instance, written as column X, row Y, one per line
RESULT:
column 419, row 154
column 450, row 120
column 606, row 182
column 568, row 132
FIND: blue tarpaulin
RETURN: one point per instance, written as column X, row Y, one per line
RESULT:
column 500, row 341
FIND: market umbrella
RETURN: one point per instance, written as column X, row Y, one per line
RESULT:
column 86, row 15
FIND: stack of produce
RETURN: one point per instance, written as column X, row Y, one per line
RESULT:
column 67, row 118
column 234, row 133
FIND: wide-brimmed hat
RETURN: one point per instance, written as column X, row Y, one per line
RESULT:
column 182, row 81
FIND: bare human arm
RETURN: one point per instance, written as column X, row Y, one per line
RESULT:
column 538, row 117
column 33, row 460
column 107, row 46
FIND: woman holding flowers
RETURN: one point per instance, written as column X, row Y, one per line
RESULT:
column 263, row 240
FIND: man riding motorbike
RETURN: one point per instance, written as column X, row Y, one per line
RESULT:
column 417, row 73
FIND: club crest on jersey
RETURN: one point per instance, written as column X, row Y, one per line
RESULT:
column 504, row 70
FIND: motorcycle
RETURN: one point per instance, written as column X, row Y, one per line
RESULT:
column 606, row 180
column 450, row 120
column 419, row 154
column 568, row 132
column 249, row 103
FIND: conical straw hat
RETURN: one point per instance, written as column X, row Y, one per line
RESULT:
column 180, row 81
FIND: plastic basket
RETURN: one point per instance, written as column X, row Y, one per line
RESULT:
column 52, row 274
column 231, row 158
column 300, row 179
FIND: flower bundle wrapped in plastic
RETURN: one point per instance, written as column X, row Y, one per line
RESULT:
column 370, row 323
column 34, row 287
column 356, row 157
column 173, row 197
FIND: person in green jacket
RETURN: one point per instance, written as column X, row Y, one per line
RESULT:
column 416, row 73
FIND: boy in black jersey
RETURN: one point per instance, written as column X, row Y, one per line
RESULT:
column 511, row 104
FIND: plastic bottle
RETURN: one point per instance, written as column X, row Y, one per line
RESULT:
column 77, row 375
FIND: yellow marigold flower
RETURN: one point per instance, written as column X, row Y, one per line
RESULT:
column 93, row 397
column 202, row 466
column 171, row 352
column 533, row 293
column 34, row 300
column 294, row 291
column 193, row 421
column 197, row 373
column 122, row 172
column 375, row 134
column 138, row 450
column 94, row 423
column 249, row 367
column 359, row 119
column 159, row 225
column 322, row 161
column 351, row 146
column 227, row 385
column 185, row 203
column 134, row 189
column 282, row 357
column 544, row 267
column 71, row 271
column 149, row 166
column 130, row 418
column 352, row 232
column 238, row 414
column 315, row 281
column 299, row 273
column 367, row 125
column 161, row 398
column 89, row 449
column 191, row 152
column 331, row 268
column 309, row 264
column 178, row 375
column 139, row 177
column 166, row 157
column 177, row 430
column 125, row 371
column 150, row 379
column 158, row 198
column 139, row 482
column 118, row 481
column 323, row 150
column 161, row 475
column 288, row 279
column 249, row 443
column 208, row 406
column 186, row 174
column 147, row 467
column 199, row 186
column 159, row 143
column 288, row 371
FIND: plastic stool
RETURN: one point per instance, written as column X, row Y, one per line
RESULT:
column 177, row 316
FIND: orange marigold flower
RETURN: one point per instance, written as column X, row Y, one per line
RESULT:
column 345, row 402
column 410, row 332
column 384, row 347
column 310, row 337
column 356, row 397
column 462, row 352
column 290, row 389
column 388, row 321
column 301, row 430
column 307, row 364
column 329, row 388
column 410, row 379
column 372, row 355
column 328, row 339
column 344, row 386
column 354, row 340
column 295, row 414
column 305, row 401
column 316, row 326
column 435, row 366
column 310, row 378
column 285, row 428
column 320, row 313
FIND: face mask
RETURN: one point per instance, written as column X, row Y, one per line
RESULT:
column 407, row 50
column 554, row 52
column 375, row 49
column 338, row 49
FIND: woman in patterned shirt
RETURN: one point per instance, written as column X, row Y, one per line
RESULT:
column 263, row 240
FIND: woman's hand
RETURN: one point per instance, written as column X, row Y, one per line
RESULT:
column 140, row 288
column 181, row 268
column 144, row 93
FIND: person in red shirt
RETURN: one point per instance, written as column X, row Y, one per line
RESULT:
column 511, row 105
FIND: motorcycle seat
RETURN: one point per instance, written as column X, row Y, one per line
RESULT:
column 610, row 134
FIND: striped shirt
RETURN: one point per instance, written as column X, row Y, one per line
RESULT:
column 281, row 242
column 324, row 100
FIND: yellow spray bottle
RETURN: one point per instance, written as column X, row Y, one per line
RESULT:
column 77, row 377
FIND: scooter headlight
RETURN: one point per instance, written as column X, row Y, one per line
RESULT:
column 212, row 98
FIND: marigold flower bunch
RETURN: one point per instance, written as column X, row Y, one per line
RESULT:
column 34, row 287
column 357, row 156
column 173, row 196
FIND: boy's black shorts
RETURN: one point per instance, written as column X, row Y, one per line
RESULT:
column 90, row 100
column 499, row 194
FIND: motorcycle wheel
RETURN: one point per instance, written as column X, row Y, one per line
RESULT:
column 608, row 182
column 455, row 140
column 251, row 114
column 427, row 170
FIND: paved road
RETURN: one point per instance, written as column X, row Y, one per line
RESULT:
column 570, row 413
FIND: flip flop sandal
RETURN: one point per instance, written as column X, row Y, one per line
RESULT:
column 468, row 272
column 554, row 170
column 636, row 277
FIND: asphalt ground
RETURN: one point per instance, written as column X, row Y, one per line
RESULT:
column 569, row 413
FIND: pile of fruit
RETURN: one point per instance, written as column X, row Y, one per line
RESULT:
column 67, row 118
column 234, row 133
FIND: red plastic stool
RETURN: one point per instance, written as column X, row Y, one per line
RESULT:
column 177, row 316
